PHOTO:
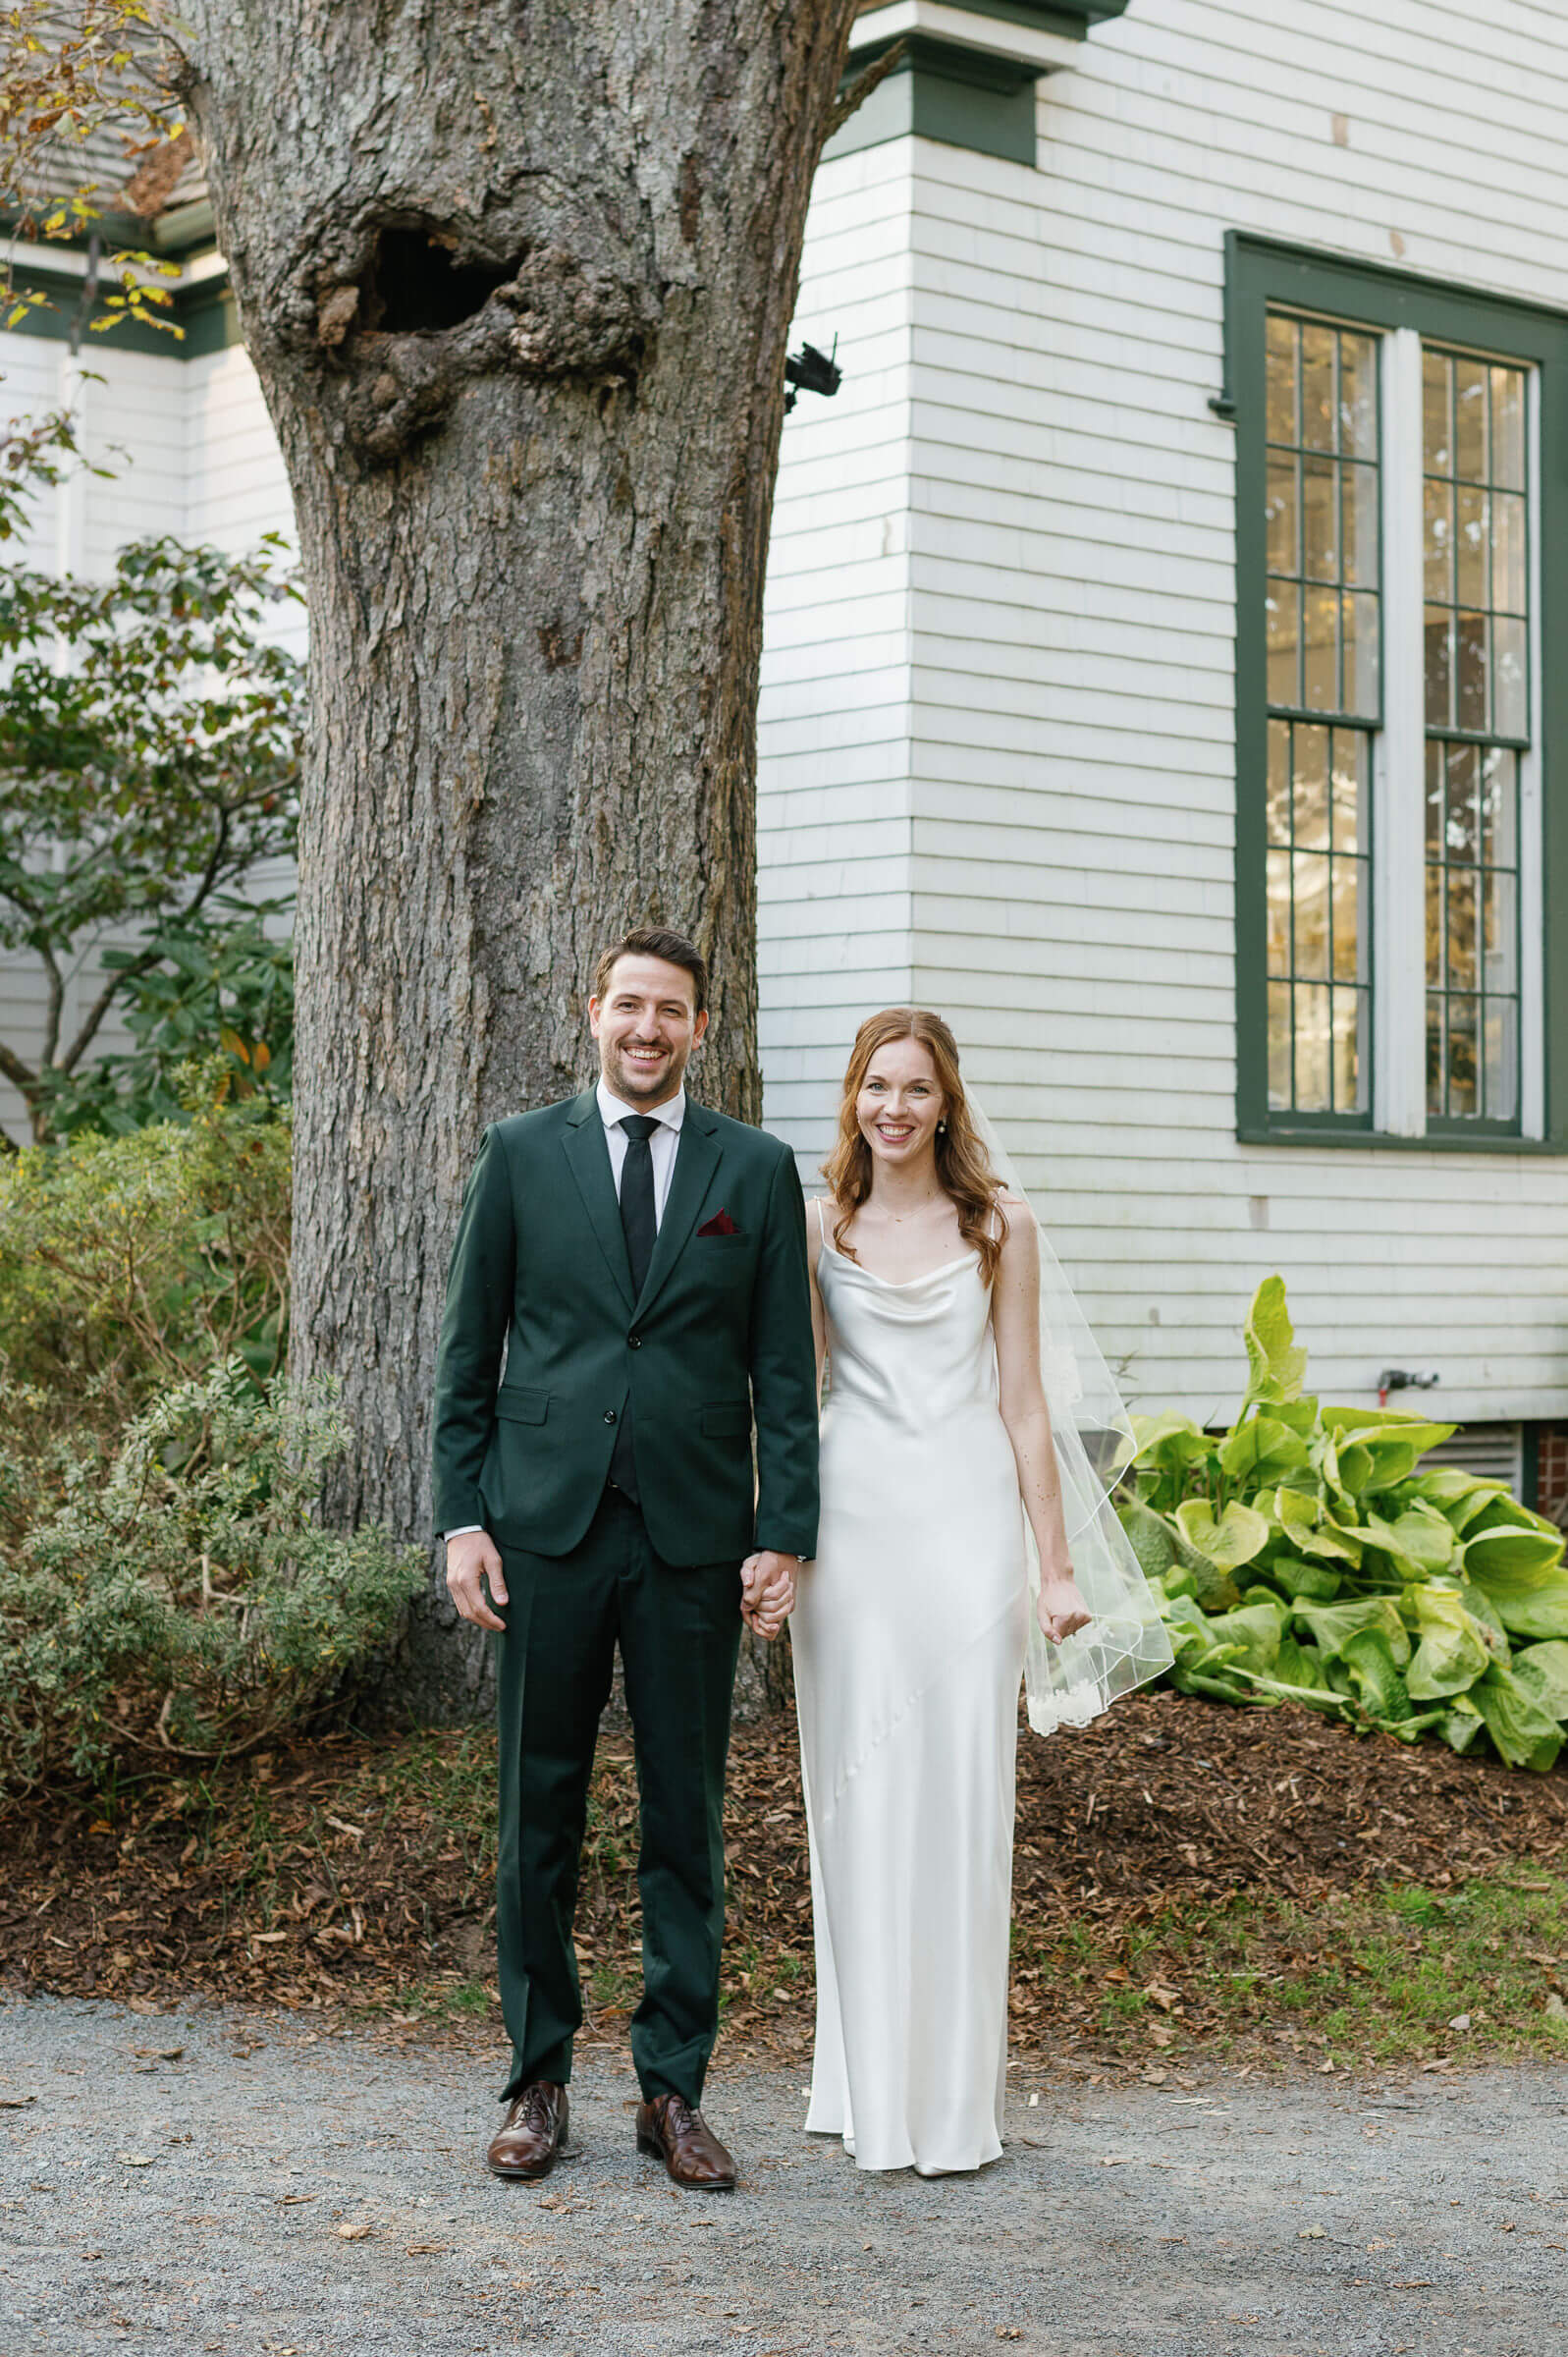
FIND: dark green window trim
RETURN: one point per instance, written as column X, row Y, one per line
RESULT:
column 205, row 312
column 184, row 229
column 1477, row 1140
column 1263, row 271
column 943, row 90
column 210, row 317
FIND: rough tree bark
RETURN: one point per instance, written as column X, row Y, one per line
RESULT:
column 517, row 277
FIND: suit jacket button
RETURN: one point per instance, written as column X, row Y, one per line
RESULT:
column 609, row 1415
column 635, row 1341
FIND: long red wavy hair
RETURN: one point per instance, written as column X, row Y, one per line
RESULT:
column 963, row 1163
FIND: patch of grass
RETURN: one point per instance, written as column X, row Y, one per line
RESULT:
column 441, row 2002
column 1380, row 1975
column 1118, row 2006
column 608, row 1877
column 614, row 1987
column 450, row 1776
column 743, row 1966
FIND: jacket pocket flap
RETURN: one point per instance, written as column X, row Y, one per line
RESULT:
column 728, row 1419
column 519, row 1405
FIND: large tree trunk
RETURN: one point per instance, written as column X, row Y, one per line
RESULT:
column 517, row 276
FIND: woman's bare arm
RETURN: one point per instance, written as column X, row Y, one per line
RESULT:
column 1015, row 1323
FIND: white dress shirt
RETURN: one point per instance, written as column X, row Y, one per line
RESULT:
column 662, row 1146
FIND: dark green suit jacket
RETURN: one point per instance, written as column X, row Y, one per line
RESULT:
column 722, row 1329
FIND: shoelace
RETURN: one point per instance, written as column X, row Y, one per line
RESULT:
column 538, row 2112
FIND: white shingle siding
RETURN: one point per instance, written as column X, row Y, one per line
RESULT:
column 834, row 722
column 1071, row 728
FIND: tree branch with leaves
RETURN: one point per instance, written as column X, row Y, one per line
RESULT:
column 84, row 88
column 150, row 734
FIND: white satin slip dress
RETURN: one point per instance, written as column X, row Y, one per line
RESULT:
column 908, row 1637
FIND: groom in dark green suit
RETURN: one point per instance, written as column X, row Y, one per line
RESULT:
column 641, row 1262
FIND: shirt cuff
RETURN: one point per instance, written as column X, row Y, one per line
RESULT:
column 462, row 1529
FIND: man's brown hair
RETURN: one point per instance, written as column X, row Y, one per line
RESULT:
column 655, row 941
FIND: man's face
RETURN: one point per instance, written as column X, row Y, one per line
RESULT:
column 646, row 1026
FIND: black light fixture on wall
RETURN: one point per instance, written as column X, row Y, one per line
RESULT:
column 811, row 371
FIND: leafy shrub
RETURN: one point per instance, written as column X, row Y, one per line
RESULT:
column 186, row 1603
column 212, row 1020
column 140, row 780
column 1302, row 1556
column 129, row 1264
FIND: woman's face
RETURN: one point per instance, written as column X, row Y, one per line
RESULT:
column 899, row 1103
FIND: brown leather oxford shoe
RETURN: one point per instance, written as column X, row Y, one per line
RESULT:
column 674, row 2133
column 533, row 2131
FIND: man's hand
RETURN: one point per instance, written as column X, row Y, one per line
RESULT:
column 767, row 1591
column 471, row 1557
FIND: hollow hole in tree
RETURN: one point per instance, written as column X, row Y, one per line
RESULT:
column 415, row 286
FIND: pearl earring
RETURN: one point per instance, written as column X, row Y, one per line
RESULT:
column 942, row 1128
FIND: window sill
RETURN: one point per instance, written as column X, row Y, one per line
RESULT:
column 1378, row 1141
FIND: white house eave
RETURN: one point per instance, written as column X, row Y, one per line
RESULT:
column 988, row 36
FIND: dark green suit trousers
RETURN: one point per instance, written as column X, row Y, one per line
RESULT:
column 678, row 1628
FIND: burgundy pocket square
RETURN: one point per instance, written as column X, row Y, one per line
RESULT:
column 720, row 1224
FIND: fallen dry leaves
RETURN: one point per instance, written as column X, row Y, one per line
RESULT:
column 323, row 1879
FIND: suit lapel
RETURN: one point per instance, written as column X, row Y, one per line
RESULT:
column 588, row 1155
column 696, row 1160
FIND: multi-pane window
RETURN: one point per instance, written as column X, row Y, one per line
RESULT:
column 1319, row 903
column 1401, row 724
column 1476, row 688
column 1324, row 640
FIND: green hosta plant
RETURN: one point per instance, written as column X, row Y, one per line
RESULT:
column 1303, row 1556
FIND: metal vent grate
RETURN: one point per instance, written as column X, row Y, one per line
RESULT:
column 1495, row 1451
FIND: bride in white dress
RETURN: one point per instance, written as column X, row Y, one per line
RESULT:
column 911, row 1627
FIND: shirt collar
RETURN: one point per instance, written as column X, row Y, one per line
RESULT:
column 612, row 1108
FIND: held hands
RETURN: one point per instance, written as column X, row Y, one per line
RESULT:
column 471, row 1557
column 1060, row 1607
column 767, row 1584
column 767, row 1591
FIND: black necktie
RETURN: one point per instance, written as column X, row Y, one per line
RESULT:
column 639, row 1227
column 638, row 1223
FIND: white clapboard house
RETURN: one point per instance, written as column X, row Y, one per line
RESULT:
column 1165, row 670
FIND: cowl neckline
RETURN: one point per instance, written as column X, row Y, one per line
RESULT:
column 899, row 1284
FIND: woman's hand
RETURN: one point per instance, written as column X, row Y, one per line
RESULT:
column 767, row 1591
column 1060, row 1608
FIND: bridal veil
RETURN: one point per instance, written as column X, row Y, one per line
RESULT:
column 1125, row 1644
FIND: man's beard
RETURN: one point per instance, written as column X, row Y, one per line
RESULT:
column 630, row 1081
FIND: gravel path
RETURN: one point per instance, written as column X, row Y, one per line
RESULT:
column 267, row 2191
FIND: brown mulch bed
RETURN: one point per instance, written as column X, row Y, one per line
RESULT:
column 1169, row 1797
column 355, row 1875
